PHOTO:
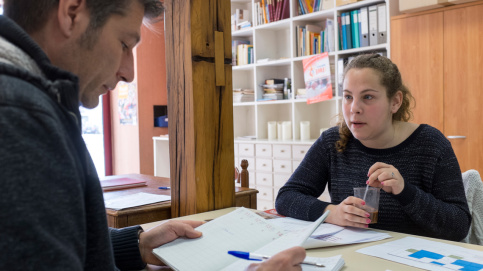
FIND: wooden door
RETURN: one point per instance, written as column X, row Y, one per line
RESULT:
column 463, row 78
column 417, row 50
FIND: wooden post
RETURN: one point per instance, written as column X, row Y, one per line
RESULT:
column 200, row 105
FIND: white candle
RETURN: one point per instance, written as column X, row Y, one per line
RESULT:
column 279, row 130
column 287, row 130
column 272, row 130
column 304, row 130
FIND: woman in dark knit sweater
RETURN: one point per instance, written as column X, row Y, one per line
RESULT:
column 414, row 165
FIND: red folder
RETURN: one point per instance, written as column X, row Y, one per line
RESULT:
column 121, row 183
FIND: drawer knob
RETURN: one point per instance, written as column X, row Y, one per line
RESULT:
column 264, row 150
column 264, row 179
column 302, row 151
column 264, row 165
column 264, row 194
column 282, row 151
column 282, row 166
column 246, row 149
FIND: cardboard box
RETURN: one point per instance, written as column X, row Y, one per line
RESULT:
column 345, row 2
column 408, row 6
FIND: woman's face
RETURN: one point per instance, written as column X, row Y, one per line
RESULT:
column 366, row 108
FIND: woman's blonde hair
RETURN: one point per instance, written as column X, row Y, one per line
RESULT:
column 390, row 78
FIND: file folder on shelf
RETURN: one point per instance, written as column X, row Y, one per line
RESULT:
column 364, row 22
column 382, row 25
column 348, row 29
column 373, row 33
column 355, row 28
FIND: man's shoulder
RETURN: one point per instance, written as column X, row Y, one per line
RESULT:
column 19, row 89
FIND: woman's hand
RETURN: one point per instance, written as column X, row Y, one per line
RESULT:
column 387, row 177
column 347, row 214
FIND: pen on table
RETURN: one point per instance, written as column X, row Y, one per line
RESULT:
column 258, row 257
column 164, row 187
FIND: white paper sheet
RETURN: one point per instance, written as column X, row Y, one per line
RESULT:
column 426, row 254
column 134, row 200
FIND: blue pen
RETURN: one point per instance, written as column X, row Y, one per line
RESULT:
column 259, row 257
column 164, row 187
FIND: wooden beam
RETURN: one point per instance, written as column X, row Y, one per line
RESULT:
column 200, row 105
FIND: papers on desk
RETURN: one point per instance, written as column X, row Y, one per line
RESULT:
column 240, row 230
column 327, row 235
column 426, row 254
column 134, row 200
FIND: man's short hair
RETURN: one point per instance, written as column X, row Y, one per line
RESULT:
column 32, row 15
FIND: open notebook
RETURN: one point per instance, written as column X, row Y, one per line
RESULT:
column 241, row 230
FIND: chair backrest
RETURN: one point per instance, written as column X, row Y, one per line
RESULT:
column 474, row 195
column 242, row 176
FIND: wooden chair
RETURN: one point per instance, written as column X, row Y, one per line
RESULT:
column 242, row 177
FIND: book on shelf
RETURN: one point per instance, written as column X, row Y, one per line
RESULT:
column 234, row 50
column 314, row 39
column 317, row 77
column 268, row 11
column 242, row 18
column 241, row 230
column 120, row 183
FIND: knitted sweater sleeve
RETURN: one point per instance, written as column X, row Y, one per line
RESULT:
column 298, row 197
column 126, row 248
column 443, row 212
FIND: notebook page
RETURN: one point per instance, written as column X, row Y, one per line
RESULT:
column 239, row 230
column 288, row 240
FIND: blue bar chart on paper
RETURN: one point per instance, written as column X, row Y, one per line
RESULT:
column 426, row 254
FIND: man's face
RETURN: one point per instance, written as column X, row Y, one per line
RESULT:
column 109, row 58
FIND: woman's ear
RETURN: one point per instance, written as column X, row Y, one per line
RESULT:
column 69, row 15
column 396, row 101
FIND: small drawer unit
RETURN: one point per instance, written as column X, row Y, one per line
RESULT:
column 264, row 179
column 282, row 151
column 263, row 165
column 246, row 150
column 299, row 151
column 264, row 205
column 263, row 150
column 282, row 166
column 265, row 192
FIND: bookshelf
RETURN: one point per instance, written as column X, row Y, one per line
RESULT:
column 275, row 43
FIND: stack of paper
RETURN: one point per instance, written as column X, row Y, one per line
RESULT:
column 240, row 230
column 328, row 234
column 134, row 200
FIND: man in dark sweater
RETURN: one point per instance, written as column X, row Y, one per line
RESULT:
column 55, row 55
column 414, row 165
column 52, row 214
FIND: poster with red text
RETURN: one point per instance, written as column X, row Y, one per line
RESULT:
column 317, row 78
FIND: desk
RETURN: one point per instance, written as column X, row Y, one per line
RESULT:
column 353, row 261
column 246, row 197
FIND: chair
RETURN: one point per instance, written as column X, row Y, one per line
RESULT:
column 474, row 196
column 242, row 177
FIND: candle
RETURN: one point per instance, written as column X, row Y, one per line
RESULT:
column 272, row 130
column 279, row 130
column 304, row 130
column 287, row 130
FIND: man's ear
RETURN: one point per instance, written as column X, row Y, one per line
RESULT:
column 70, row 15
column 396, row 101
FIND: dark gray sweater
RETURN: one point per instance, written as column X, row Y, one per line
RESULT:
column 52, row 214
column 433, row 201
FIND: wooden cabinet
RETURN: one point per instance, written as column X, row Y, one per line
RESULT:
column 440, row 57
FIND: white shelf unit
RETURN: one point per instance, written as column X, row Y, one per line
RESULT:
column 276, row 41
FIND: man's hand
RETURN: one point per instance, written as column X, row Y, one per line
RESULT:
column 165, row 233
column 286, row 260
